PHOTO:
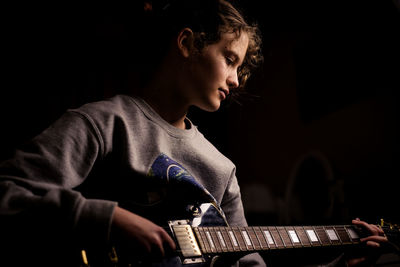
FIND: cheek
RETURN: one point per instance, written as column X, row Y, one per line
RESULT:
column 207, row 72
column 214, row 71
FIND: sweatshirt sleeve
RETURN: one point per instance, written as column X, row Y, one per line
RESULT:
column 233, row 208
column 37, row 184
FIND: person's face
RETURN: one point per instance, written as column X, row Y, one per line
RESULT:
column 213, row 71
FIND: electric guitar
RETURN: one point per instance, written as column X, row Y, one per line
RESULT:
column 204, row 236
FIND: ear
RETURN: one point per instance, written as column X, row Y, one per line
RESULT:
column 185, row 42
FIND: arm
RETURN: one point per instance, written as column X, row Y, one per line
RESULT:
column 37, row 184
column 139, row 234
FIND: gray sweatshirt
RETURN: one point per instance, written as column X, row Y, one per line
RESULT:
column 108, row 153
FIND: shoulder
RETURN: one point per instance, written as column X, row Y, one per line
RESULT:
column 114, row 106
column 111, row 111
column 106, row 116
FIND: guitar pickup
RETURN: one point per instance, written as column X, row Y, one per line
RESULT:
column 187, row 242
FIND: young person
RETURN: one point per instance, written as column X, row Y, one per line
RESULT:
column 101, row 172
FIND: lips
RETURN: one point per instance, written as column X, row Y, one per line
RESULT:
column 223, row 92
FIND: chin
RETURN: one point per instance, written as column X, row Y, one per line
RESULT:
column 210, row 106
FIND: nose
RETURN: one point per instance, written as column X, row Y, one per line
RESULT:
column 233, row 80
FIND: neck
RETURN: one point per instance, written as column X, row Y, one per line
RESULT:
column 165, row 95
column 256, row 239
column 168, row 104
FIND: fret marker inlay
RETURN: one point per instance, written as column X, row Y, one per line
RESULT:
column 312, row 236
column 235, row 243
column 210, row 239
column 353, row 233
column 332, row 235
column 221, row 239
column 247, row 238
column 269, row 237
column 293, row 236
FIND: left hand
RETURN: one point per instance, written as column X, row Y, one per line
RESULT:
column 374, row 240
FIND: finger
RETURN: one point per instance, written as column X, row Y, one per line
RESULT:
column 356, row 262
column 157, row 248
column 376, row 228
column 379, row 230
column 373, row 244
column 373, row 229
column 161, row 249
column 359, row 222
column 167, row 239
column 375, row 238
column 146, row 247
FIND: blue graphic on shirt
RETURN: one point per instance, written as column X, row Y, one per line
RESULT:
column 181, row 191
column 172, row 173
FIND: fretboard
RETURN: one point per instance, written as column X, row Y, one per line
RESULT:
column 247, row 239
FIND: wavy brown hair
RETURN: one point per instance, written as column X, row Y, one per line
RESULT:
column 208, row 19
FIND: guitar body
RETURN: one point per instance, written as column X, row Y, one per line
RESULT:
column 201, row 215
column 172, row 196
column 183, row 218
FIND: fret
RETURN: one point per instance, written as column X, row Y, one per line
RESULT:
column 301, row 233
column 221, row 240
column 254, row 239
column 205, row 241
column 285, row 237
column 199, row 239
column 209, row 239
column 322, row 235
column 239, row 238
column 312, row 236
column 268, row 238
column 344, row 237
column 225, row 236
column 276, row 236
column 246, row 237
column 261, row 238
column 215, row 239
column 294, row 237
column 333, row 236
column 235, row 243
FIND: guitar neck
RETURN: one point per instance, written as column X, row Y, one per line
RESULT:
column 214, row 240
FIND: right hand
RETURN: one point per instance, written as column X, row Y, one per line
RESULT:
column 141, row 234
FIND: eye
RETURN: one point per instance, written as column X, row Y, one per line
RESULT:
column 229, row 60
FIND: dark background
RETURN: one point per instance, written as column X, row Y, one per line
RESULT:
column 314, row 141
